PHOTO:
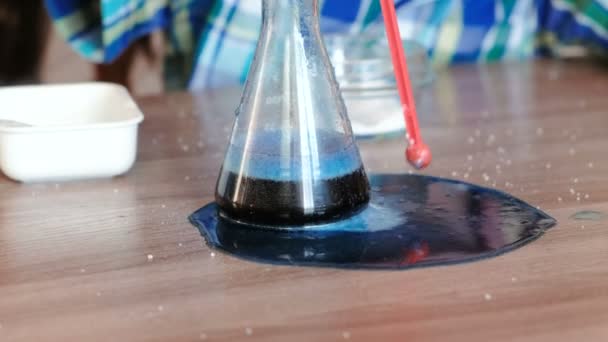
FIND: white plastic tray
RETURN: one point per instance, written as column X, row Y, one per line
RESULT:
column 77, row 131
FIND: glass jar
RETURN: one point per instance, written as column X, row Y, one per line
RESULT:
column 364, row 70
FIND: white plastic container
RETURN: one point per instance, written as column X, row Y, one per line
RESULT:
column 74, row 131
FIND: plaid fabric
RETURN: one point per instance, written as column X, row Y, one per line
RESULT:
column 212, row 42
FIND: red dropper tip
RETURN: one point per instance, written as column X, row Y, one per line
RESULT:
column 419, row 155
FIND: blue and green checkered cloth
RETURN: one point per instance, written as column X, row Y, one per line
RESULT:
column 212, row 42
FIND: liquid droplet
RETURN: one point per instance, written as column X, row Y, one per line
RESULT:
column 588, row 215
column 486, row 178
column 491, row 139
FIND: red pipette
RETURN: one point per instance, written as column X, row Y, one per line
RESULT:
column 417, row 152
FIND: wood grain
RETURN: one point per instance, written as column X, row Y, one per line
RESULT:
column 116, row 260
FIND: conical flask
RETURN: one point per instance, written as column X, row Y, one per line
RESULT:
column 292, row 157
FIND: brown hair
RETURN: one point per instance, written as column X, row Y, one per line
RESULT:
column 24, row 33
column 23, row 37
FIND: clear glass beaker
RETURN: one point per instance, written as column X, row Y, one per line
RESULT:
column 292, row 157
column 365, row 73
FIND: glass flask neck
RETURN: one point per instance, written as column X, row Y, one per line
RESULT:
column 294, row 13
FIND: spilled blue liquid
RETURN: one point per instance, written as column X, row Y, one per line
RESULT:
column 411, row 221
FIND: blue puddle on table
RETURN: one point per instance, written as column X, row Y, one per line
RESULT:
column 410, row 221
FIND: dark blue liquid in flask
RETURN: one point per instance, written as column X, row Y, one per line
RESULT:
column 292, row 157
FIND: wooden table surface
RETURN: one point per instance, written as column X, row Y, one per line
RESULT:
column 116, row 260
